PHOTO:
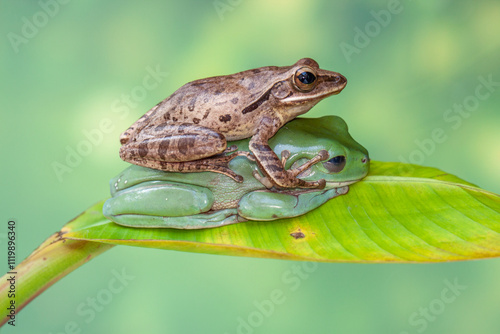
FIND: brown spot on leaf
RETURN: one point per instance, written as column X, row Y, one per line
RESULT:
column 298, row 235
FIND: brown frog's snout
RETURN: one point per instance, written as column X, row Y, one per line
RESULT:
column 340, row 80
column 335, row 82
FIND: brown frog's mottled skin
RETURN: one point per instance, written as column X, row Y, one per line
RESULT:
column 187, row 132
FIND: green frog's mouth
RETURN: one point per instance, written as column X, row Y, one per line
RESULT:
column 335, row 184
column 329, row 185
column 340, row 190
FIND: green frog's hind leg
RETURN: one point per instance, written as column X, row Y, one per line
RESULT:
column 167, row 204
column 199, row 221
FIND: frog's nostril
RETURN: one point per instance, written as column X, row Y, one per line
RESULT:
column 364, row 159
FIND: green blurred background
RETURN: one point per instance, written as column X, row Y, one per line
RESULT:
column 67, row 67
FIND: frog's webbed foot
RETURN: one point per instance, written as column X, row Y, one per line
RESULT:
column 216, row 164
column 228, row 172
column 294, row 172
column 272, row 167
column 220, row 163
column 235, row 153
column 321, row 156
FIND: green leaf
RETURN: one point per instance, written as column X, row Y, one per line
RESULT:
column 399, row 213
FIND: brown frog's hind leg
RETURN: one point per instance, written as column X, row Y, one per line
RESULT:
column 138, row 125
column 218, row 164
column 181, row 147
column 273, row 167
column 173, row 142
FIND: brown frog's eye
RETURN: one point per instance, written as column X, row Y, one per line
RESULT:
column 305, row 79
column 335, row 164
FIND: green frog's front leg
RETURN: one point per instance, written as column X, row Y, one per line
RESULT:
column 272, row 167
column 181, row 147
column 268, row 205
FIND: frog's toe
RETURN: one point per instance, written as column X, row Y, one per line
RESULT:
column 248, row 155
column 238, row 178
column 231, row 149
column 228, row 172
column 323, row 155
column 342, row 190
column 321, row 184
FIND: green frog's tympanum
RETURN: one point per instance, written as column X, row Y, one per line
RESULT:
column 144, row 197
column 187, row 132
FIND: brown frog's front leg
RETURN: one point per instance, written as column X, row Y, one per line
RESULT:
column 322, row 155
column 181, row 147
column 272, row 167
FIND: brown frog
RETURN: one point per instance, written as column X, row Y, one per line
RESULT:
column 187, row 132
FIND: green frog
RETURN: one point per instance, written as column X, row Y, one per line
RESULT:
column 189, row 130
column 144, row 197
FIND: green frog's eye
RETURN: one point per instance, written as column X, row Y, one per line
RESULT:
column 305, row 79
column 335, row 164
